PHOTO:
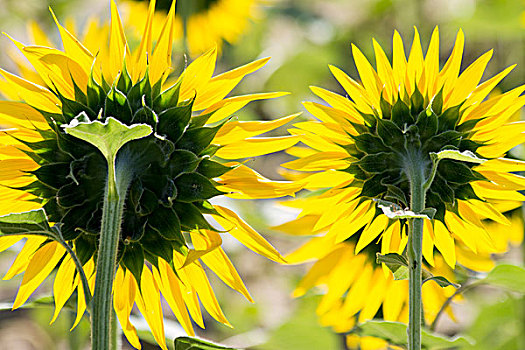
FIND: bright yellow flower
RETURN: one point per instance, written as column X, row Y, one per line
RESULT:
column 354, row 163
column 356, row 151
column 166, row 240
column 211, row 21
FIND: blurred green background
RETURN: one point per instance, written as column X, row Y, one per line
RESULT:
column 303, row 37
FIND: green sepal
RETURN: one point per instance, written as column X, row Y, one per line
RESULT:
column 79, row 94
column 73, row 222
column 168, row 98
column 199, row 120
column 427, row 125
column 394, row 193
column 373, row 187
column 386, row 108
column 71, row 195
column 416, row 102
column 140, row 93
column 369, row 143
column 449, row 119
column 376, row 163
column 442, row 189
column 212, row 169
column 466, row 192
column 117, row 105
column 390, row 133
column 166, row 223
column 133, row 260
column 190, row 217
column 182, row 161
column 192, row 187
column 154, row 244
column 437, row 103
column 70, row 108
column 145, row 115
column 124, row 82
column 468, row 125
column 436, row 143
column 173, row 121
column 85, row 247
column 95, row 94
column 133, row 226
column 52, row 174
column 198, row 139
column 148, row 202
column 401, row 114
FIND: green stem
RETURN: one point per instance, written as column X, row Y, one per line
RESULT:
column 102, row 328
column 80, row 271
column 458, row 291
column 415, row 172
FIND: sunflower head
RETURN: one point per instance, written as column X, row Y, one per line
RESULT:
column 409, row 131
column 172, row 170
column 170, row 173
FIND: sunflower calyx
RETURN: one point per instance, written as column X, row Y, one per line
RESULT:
column 162, row 163
column 415, row 133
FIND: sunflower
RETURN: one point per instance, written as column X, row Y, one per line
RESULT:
column 166, row 238
column 405, row 121
column 210, row 22
column 357, row 150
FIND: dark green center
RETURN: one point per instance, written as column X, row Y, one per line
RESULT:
column 173, row 171
column 404, row 137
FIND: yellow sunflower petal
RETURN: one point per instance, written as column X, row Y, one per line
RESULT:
column 245, row 234
column 148, row 302
column 256, row 147
column 39, row 267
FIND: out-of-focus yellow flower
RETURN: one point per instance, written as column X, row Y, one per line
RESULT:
column 210, row 22
column 166, row 239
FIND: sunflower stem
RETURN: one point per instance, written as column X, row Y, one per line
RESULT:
column 416, row 174
column 103, row 323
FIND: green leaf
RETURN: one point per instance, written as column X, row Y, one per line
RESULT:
column 507, row 276
column 32, row 222
column 396, row 333
column 465, row 156
column 441, row 281
column 398, row 264
column 187, row 343
column 109, row 136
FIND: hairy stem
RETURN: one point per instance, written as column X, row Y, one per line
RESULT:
column 416, row 174
column 103, row 330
